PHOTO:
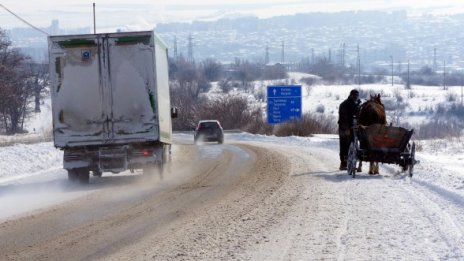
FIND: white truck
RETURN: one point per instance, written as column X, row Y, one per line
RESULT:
column 110, row 102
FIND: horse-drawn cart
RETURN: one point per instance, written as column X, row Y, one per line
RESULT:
column 381, row 143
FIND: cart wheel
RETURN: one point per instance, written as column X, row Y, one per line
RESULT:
column 413, row 159
column 351, row 161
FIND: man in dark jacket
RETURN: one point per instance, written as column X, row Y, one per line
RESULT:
column 348, row 108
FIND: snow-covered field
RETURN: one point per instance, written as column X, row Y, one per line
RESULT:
column 19, row 159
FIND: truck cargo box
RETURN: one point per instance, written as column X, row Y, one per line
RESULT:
column 109, row 88
column 110, row 102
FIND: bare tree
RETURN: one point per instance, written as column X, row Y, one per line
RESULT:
column 226, row 85
column 38, row 81
column 211, row 70
column 275, row 72
column 246, row 71
column 14, row 88
column 187, row 106
column 190, row 79
column 232, row 111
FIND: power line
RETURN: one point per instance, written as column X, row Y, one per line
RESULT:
column 24, row 21
column 190, row 49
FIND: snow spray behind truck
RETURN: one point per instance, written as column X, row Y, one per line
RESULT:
column 110, row 102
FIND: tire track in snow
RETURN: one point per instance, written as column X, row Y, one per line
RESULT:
column 343, row 234
column 442, row 208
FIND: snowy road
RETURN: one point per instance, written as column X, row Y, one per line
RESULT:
column 253, row 198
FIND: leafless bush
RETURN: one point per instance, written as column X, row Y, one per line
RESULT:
column 231, row 110
column 308, row 124
column 394, row 105
column 441, row 109
column 419, row 146
column 308, row 89
column 260, row 95
column 407, row 85
column 451, row 97
column 397, row 94
column 456, row 110
column 439, row 130
column 187, row 106
column 225, row 85
column 320, row 108
column 411, row 94
column 258, row 124
column 366, row 93
column 211, row 69
column 310, row 81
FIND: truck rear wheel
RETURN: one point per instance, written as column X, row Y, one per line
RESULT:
column 73, row 175
column 81, row 175
column 157, row 167
column 84, row 176
column 97, row 173
column 154, row 168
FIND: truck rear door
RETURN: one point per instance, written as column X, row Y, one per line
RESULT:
column 78, row 105
column 132, row 80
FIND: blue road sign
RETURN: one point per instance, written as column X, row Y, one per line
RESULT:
column 283, row 103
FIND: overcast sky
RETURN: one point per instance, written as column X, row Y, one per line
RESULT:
column 144, row 14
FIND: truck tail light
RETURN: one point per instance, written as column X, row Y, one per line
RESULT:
column 145, row 152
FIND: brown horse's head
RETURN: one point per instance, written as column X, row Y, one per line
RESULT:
column 376, row 99
column 372, row 111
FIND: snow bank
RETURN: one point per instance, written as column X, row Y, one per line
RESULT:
column 22, row 160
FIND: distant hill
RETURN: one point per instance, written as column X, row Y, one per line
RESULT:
column 380, row 35
column 294, row 22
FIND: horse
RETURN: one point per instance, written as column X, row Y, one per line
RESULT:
column 370, row 112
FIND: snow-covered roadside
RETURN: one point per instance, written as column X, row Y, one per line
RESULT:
column 38, row 127
column 41, row 122
column 23, row 160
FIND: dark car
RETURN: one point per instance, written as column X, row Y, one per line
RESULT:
column 209, row 130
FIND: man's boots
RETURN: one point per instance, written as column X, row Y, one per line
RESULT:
column 343, row 165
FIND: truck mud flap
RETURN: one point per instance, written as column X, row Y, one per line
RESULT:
column 113, row 159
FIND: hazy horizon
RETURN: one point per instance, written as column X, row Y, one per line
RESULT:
column 143, row 14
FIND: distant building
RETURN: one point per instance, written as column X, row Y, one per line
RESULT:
column 34, row 43
column 55, row 27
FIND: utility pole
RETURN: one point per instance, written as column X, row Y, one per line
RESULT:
column 282, row 55
column 330, row 55
column 435, row 60
column 190, row 49
column 409, row 83
column 359, row 67
column 312, row 56
column 444, row 75
column 461, row 91
column 175, row 48
column 391, row 57
column 266, row 56
column 343, row 55
column 94, row 22
column 340, row 56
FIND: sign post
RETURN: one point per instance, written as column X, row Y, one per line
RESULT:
column 283, row 103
